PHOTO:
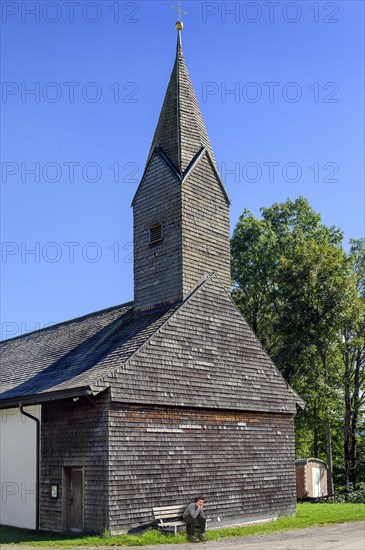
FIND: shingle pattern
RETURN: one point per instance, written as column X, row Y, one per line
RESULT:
column 200, row 353
column 181, row 132
column 71, row 354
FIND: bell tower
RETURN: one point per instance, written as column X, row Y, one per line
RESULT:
column 181, row 208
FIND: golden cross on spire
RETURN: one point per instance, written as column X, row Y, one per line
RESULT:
column 179, row 24
column 179, row 10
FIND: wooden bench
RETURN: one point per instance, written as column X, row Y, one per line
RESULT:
column 169, row 517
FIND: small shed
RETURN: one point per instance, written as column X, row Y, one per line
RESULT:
column 311, row 474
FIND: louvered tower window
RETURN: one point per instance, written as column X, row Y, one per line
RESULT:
column 156, row 233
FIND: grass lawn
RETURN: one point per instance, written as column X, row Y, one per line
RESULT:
column 307, row 515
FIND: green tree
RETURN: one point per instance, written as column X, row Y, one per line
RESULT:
column 353, row 356
column 313, row 281
column 259, row 249
column 255, row 257
column 291, row 280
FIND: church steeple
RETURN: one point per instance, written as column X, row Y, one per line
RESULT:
column 181, row 208
column 180, row 131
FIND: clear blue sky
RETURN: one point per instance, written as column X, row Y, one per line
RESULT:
column 293, row 126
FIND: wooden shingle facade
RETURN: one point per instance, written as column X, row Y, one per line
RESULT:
column 168, row 396
column 182, row 190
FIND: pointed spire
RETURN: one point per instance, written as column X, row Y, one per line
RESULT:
column 180, row 131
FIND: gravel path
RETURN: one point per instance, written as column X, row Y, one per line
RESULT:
column 344, row 536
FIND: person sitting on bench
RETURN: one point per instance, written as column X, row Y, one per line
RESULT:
column 195, row 518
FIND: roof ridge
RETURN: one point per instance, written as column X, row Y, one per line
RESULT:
column 178, row 118
column 194, row 128
column 68, row 321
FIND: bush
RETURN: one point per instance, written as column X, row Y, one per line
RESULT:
column 357, row 496
column 349, row 494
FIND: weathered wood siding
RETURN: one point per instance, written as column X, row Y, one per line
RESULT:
column 301, row 481
column 75, row 434
column 195, row 218
column 205, row 227
column 243, row 463
column 157, row 268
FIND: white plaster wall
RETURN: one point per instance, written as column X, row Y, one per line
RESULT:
column 18, row 467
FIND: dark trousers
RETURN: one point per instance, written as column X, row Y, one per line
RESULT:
column 198, row 523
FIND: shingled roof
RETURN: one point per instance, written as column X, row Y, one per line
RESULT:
column 180, row 131
column 171, row 357
column 62, row 359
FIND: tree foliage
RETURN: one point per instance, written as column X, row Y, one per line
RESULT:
column 353, row 358
column 304, row 298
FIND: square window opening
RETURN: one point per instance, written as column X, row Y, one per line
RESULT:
column 156, row 233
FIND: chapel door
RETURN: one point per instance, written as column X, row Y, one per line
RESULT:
column 75, row 498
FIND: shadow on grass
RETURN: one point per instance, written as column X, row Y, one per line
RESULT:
column 47, row 539
column 11, row 535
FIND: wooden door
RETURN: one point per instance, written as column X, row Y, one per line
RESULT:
column 75, row 499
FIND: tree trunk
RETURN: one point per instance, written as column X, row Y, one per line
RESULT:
column 330, row 486
column 352, row 459
column 315, row 430
column 329, row 458
column 356, row 406
column 352, row 391
column 347, row 442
